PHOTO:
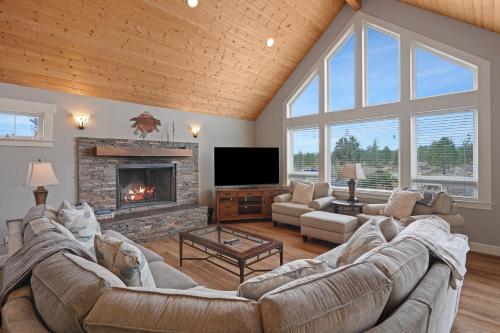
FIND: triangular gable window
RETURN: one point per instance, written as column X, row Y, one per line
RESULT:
column 307, row 100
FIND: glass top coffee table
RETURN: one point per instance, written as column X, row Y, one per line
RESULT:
column 249, row 250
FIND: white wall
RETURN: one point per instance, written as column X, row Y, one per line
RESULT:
column 482, row 226
column 109, row 119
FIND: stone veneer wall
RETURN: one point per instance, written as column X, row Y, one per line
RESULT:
column 157, row 224
column 97, row 174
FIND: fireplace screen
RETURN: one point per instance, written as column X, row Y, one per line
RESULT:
column 144, row 184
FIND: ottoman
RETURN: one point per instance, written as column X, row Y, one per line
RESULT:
column 331, row 227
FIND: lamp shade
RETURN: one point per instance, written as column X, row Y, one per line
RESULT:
column 352, row 171
column 40, row 174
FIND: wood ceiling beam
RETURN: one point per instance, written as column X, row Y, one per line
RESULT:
column 355, row 4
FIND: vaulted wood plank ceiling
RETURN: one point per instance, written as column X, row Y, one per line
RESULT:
column 210, row 59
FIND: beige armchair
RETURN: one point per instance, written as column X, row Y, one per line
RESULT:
column 288, row 212
column 443, row 206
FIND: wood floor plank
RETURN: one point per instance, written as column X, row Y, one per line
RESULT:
column 479, row 309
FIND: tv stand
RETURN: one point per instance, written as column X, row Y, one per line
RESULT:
column 233, row 204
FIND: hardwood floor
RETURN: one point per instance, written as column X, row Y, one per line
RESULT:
column 480, row 300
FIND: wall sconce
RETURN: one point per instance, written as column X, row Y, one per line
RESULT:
column 195, row 130
column 81, row 120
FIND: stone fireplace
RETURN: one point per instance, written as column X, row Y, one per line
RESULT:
column 145, row 184
column 152, row 196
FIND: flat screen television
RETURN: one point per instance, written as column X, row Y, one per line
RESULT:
column 246, row 166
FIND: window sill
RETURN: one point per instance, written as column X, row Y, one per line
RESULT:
column 383, row 196
column 26, row 142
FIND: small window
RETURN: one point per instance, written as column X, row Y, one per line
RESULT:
column 307, row 100
column 20, row 126
column 304, row 158
column 382, row 66
column 444, row 152
column 341, row 76
column 374, row 144
column 437, row 74
column 25, row 123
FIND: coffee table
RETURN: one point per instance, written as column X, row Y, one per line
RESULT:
column 251, row 249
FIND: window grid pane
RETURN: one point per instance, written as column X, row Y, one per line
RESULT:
column 374, row 144
column 437, row 75
column 304, row 146
column 307, row 101
column 341, row 76
column 382, row 73
column 18, row 125
column 444, row 152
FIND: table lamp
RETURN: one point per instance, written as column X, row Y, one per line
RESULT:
column 353, row 172
column 40, row 174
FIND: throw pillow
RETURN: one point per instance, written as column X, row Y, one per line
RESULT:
column 81, row 222
column 443, row 204
column 124, row 260
column 389, row 228
column 401, row 203
column 366, row 238
column 303, row 193
column 255, row 287
column 63, row 230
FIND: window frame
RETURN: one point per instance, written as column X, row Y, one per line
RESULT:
column 45, row 112
column 479, row 99
column 460, row 62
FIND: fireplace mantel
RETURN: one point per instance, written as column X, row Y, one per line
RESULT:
column 109, row 150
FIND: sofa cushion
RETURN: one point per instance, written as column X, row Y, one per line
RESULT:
column 165, row 276
column 291, row 209
column 329, row 221
column 443, row 204
column 81, row 222
column 404, row 262
column 38, row 212
column 348, row 299
column 165, row 310
column 125, row 260
column 367, row 237
column 389, row 228
column 303, row 193
column 321, row 190
column 401, row 203
column 150, row 255
column 20, row 316
column 257, row 286
column 65, row 288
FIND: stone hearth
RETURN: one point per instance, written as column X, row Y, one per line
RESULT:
column 97, row 178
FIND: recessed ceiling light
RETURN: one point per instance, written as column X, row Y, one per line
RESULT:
column 192, row 3
column 270, row 42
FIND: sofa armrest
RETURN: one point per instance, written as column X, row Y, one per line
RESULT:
column 373, row 209
column 287, row 197
column 321, row 203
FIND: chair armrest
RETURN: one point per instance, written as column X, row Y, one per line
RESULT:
column 287, row 197
column 373, row 209
column 321, row 203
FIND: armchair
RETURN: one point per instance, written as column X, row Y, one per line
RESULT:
column 288, row 212
column 443, row 206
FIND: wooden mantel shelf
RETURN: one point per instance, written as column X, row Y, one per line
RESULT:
column 101, row 150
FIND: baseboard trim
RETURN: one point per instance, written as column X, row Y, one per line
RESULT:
column 485, row 248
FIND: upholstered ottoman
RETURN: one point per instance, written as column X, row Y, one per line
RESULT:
column 335, row 228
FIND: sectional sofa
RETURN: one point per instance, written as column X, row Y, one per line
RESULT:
column 399, row 288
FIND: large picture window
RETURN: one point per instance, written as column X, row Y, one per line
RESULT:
column 374, row 144
column 304, row 157
column 444, row 152
column 413, row 111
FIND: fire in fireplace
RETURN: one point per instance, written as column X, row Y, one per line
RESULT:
column 144, row 184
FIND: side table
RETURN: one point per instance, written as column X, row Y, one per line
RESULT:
column 347, row 207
